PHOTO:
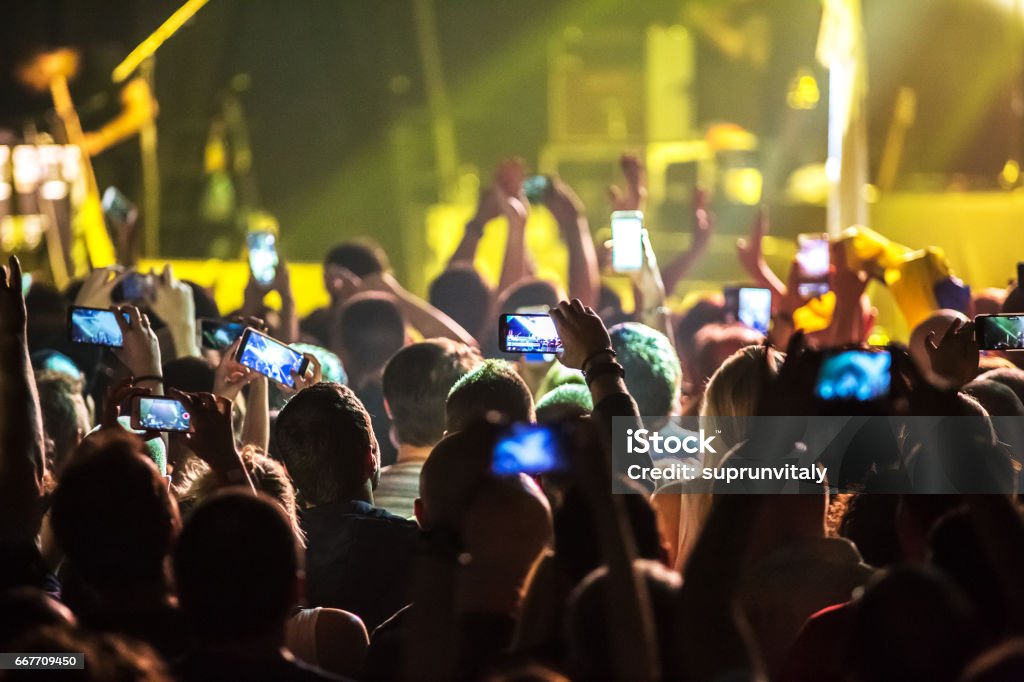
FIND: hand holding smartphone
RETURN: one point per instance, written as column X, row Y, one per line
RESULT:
column 627, row 241
column 1004, row 332
column 263, row 256
column 270, row 357
column 95, row 326
column 157, row 413
column 218, row 334
column 528, row 333
column 535, row 188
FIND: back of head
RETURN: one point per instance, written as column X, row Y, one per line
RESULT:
column 591, row 626
column 461, row 293
column 702, row 313
column 64, row 412
column 325, row 437
column 236, row 568
column 1012, row 378
column 192, row 375
column 494, row 386
column 1014, row 301
column 714, row 344
column 1002, row 663
column 529, row 293
column 568, row 401
column 416, row 383
column 653, row 374
column 370, row 329
column 453, row 473
column 937, row 323
column 912, row 624
column 361, row 257
column 111, row 513
column 998, row 399
column 735, row 390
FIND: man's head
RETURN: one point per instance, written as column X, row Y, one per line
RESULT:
column 937, row 323
column 714, row 344
column 652, row 367
column 370, row 329
column 568, row 401
column 236, row 567
column 416, row 383
column 348, row 263
column 65, row 416
column 494, row 386
column 112, row 515
column 461, row 293
column 325, row 437
column 702, row 313
column 452, row 475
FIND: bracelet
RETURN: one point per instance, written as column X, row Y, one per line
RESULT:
column 597, row 353
column 610, row 367
column 149, row 377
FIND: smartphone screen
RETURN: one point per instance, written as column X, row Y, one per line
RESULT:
column 270, row 358
column 97, row 326
column 134, row 287
column 750, row 306
column 999, row 332
column 528, row 333
column 116, row 206
column 857, row 375
column 218, row 334
column 535, row 187
column 528, row 449
column 813, row 260
column 627, row 241
column 262, row 255
column 160, row 414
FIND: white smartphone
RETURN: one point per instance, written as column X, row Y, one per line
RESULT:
column 627, row 241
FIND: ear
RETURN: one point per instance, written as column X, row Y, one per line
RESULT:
column 419, row 510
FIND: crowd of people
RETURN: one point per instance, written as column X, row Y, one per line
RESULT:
column 353, row 524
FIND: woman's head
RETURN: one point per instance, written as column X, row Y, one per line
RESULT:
column 734, row 390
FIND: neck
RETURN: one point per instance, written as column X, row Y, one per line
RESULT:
column 363, row 493
column 412, row 453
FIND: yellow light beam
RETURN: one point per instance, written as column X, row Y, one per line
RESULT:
column 150, row 45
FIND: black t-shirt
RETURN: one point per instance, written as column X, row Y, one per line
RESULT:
column 359, row 558
column 203, row 667
column 372, row 397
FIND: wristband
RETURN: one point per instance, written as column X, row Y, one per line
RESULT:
column 610, row 367
column 595, row 354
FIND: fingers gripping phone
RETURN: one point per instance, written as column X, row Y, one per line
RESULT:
column 218, row 334
column 95, row 326
column 528, row 333
column 854, row 375
column 156, row 413
column 813, row 261
column 627, row 241
column 270, row 357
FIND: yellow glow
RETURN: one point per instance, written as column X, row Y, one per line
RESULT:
column 743, row 185
column 803, row 91
column 1010, row 174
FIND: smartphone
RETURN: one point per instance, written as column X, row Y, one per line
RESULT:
column 627, row 241
column 812, row 258
column 133, row 288
column 535, row 187
column 26, row 283
column 270, row 357
column 218, row 334
column 528, row 333
column 854, row 375
column 263, row 256
column 96, row 326
column 750, row 306
column 535, row 358
column 529, row 449
column 152, row 413
column 999, row 332
column 116, row 206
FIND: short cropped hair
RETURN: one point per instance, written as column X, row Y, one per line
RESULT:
column 652, row 367
column 362, row 257
column 370, row 329
column 462, row 294
column 416, row 383
column 235, row 566
column 63, row 412
column 324, row 435
column 494, row 386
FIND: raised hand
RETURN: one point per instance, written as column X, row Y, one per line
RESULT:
column 311, row 376
column 582, row 332
column 749, row 249
column 98, row 288
column 141, row 350
column 563, row 203
column 13, row 316
column 174, row 303
column 955, row 357
column 231, row 376
column 634, row 197
column 211, row 438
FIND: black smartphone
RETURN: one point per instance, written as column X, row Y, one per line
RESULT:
column 750, row 306
column 157, row 413
column 999, row 332
column 270, row 357
column 529, row 449
column 218, row 334
column 96, row 326
column 856, row 375
column 263, row 258
column 528, row 333
column 116, row 206
column 535, row 187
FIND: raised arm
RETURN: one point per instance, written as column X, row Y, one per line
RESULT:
column 428, row 320
column 174, row 303
column 212, row 439
column 568, row 211
column 700, row 236
column 509, row 185
column 647, row 281
column 22, row 464
column 752, row 259
column 488, row 208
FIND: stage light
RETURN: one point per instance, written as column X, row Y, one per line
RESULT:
column 27, row 171
column 803, row 91
column 743, row 185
